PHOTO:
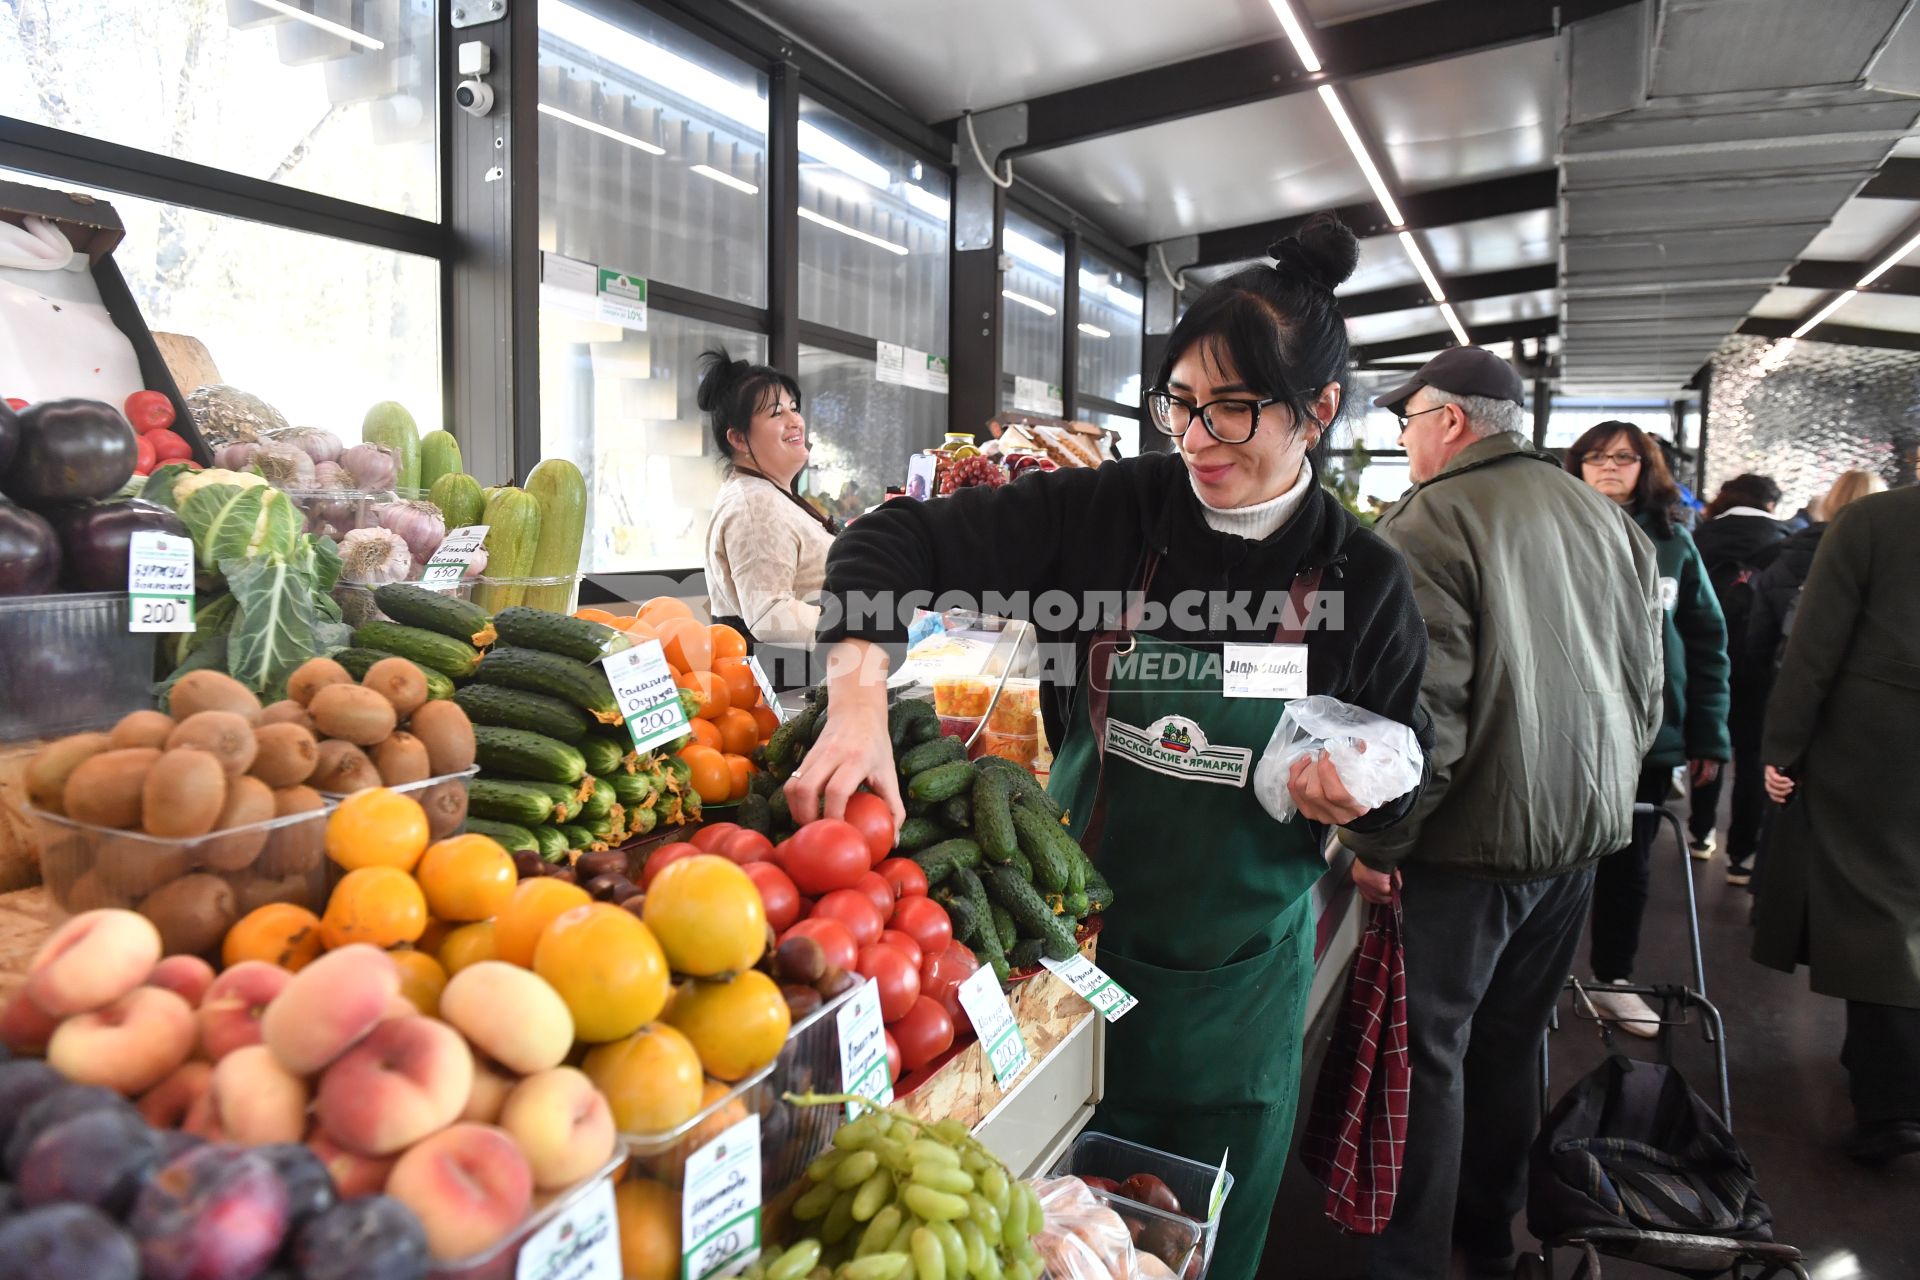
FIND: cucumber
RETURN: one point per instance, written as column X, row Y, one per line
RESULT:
column 942, row 782
column 439, row 456
column 512, row 517
column 956, row 814
column 1031, row 913
column 779, row 811
column 390, row 424
column 938, row 862
column 966, row 924
column 574, row 638
column 504, row 801
column 526, row 755
column 456, row 658
column 584, row 686
column 920, row 833
column 1077, row 905
column 1041, row 841
column 561, row 491
column 942, row 750
column 905, row 713
column 359, row 661
column 642, row 821
column 459, row 500
column 968, row 885
column 578, row 837
column 605, row 754
column 601, row 800
column 510, row 836
column 1024, row 954
column 520, row 709
column 416, row 606
column 1099, row 892
column 567, row 801
column 1026, row 788
column 553, row 843
column 633, row 790
column 993, row 814
column 1004, row 926
column 923, row 729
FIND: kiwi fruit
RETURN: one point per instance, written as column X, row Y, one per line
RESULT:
column 199, row 691
column 343, row 768
column 105, row 789
column 294, row 848
column 446, row 806
column 287, row 754
column 183, row 794
column 352, row 714
column 223, row 735
column 448, row 735
column 53, row 764
column 142, row 729
column 134, row 867
column 192, row 914
column 253, row 891
column 313, row 675
column 249, row 803
column 287, row 711
column 92, row 892
column 400, row 759
column 400, row 681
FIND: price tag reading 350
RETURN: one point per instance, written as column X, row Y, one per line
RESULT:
column 720, row 1203
column 160, row 582
column 448, row 564
column 992, row 1019
column 1109, row 998
column 649, row 699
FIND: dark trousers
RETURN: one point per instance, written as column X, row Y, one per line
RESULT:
column 1620, row 887
column 1882, row 1058
column 1744, row 724
column 1485, row 962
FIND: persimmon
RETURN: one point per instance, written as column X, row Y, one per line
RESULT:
column 743, row 691
column 738, row 732
column 380, row 905
column 710, row 689
column 727, row 643
column 279, row 933
column 687, row 644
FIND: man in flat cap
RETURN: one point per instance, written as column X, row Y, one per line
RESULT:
column 1544, row 680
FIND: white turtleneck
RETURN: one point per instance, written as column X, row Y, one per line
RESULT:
column 1263, row 519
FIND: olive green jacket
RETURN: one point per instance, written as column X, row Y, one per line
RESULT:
column 1544, row 672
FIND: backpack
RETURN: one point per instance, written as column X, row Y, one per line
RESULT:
column 1732, row 582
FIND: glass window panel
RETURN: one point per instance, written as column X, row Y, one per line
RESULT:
column 1031, row 293
column 873, row 235
column 1111, row 310
column 620, row 404
column 653, row 153
column 1127, row 428
column 861, row 430
column 338, row 97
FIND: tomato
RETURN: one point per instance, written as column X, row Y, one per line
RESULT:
column 777, row 894
column 872, row 817
column 925, row 921
column 746, row 847
column 942, row 972
column 855, row 910
column 893, row 1056
column 906, row 877
column 827, row 855
column 878, row 892
column 149, row 411
column 663, row 857
column 15, row 402
column 924, row 1033
column 144, row 459
column 899, row 979
column 832, row 937
column 710, row 837
column 169, row 446
column 903, row 944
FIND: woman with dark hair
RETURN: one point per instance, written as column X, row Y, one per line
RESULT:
column 766, row 548
column 1622, row 462
column 1227, row 546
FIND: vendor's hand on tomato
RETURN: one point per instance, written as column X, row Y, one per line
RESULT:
column 854, row 749
column 1314, row 782
column 1779, row 786
column 1375, row 886
column 1702, row 772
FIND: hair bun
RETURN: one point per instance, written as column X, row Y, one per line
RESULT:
column 720, row 373
column 1323, row 250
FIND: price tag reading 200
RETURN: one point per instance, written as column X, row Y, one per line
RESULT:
column 648, row 698
column 160, row 582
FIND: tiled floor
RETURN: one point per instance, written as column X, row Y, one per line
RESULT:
column 1789, row 1105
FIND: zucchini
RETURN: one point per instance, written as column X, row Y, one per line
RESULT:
column 938, row 862
column 390, row 424
column 574, row 638
column 510, row 836
column 942, row 750
column 606, row 755
column 578, row 837
column 459, row 500
column 942, row 782
column 439, row 456
column 1004, row 926
column 512, row 517
column 504, row 801
column 359, row 661
column 456, row 658
column 600, row 801
column 585, row 687
column 553, row 843
column 993, row 814
column 920, row 833
column 417, row 606
column 526, row 755
column 561, row 491
column 522, row 709
column 1041, row 841
column 1031, row 913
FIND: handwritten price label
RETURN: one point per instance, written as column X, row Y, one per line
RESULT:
column 1109, row 999
column 720, row 1204
column 582, row 1243
column 992, row 1017
column 643, row 685
column 160, row 582
column 448, row 564
column 864, row 1069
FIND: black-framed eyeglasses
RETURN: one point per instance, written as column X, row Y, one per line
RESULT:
column 1622, row 458
column 1405, row 418
column 1228, row 421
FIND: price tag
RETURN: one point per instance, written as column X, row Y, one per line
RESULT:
column 1109, row 998
column 1219, row 1195
column 622, row 300
column 992, row 1019
column 581, row 1243
column 649, row 699
column 767, row 694
column 720, row 1204
column 864, row 1069
column 1264, row 671
column 448, row 564
column 160, row 582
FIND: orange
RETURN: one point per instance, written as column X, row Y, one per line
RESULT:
column 381, row 905
column 688, row 646
column 727, row 643
column 765, row 720
column 660, row 608
column 738, row 732
column 649, row 1218
column 742, row 772
column 705, row 734
column 421, row 981
column 743, row 691
column 600, row 616
column 710, row 689
column 517, row 929
column 467, row 877
column 377, row 828
column 737, row 1026
column 469, row 944
column 712, row 778
column 652, row 1079
column 607, row 968
column 707, row 916
column 279, row 933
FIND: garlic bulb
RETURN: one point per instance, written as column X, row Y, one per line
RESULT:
column 372, row 466
column 419, row 524
column 321, row 446
column 285, row 466
column 237, row 456
column 374, row 557
column 331, row 475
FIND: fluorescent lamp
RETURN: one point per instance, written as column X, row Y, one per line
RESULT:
column 1297, row 34
column 821, row 145
column 1887, row 263
column 928, row 203
column 315, row 20
column 1126, row 302
column 1412, row 247
column 1025, row 301
column 643, row 60
column 1033, row 253
column 1091, row 282
column 1453, row 323
column 1095, row 331
column 1338, row 111
column 726, row 179
column 1819, row 316
column 857, row 234
column 592, row 126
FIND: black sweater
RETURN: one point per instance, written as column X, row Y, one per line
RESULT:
column 1774, row 591
column 1084, row 531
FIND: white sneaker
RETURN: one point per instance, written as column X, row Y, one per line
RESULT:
column 1678, row 788
column 1634, row 1015
column 1702, row 847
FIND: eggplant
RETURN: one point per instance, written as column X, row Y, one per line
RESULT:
column 95, row 536
column 69, row 450
column 29, row 552
column 9, row 436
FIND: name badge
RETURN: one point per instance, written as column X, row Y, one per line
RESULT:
column 1264, row 671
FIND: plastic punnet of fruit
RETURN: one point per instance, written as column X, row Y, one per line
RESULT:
column 968, row 472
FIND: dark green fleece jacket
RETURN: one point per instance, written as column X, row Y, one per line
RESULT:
column 1695, row 724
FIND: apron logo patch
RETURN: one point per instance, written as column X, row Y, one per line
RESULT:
column 1177, row 747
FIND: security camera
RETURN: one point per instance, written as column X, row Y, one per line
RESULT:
column 473, row 97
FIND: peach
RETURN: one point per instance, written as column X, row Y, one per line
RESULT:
column 203, row 1118
column 258, row 1100
column 353, row 1174
column 329, row 1007
column 92, row 960
column 410, row 1077
column 562, row 1124
column 186, row 976
column 231, row 1010
column 166, row 1104
column 25, row 1027
column 129, row 1046
column 469, row 1185
column 491, row 1085
column 510, row 1014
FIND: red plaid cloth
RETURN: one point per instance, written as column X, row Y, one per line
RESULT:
column 1357, row 1131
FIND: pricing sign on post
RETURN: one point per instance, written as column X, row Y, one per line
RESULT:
column 864, row 1069
column 649, row 699
column 767, row 694
column 1109, row 998
column 448, row 564
column 992, row 1017
column 581, row 1243
column 160, row 582
column 720, row 1204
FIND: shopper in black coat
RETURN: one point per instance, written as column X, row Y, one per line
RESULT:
column 1776, row 588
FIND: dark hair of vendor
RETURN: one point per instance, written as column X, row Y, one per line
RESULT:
column 732, row 391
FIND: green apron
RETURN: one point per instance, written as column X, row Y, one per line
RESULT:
column 1212, row 926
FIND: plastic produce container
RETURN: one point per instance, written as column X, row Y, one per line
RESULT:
column 1101, row 1156
column 68, row 664
column 556, row 595
column 503, row 1261
column 444, row 798
column 337, row 512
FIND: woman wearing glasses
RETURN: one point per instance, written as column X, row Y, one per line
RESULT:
column 1236, row 552
column 1625, row 464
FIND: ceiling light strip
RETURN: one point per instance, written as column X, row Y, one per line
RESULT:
column 1095, row 331
column 324, row 24
column 1427, row 277
column 1888, row 262
column 725, row 179
column 855, row 232
column 1344, row 123
column 1453, row 323
column 1820, row 316
column 1297, row 35
column 592, row 126
column 1025, row 301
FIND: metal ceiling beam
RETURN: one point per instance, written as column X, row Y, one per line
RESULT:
column 1490, row 284
column 1840, row 276
column 1484, row 335
column 1898, row 179
column 1842, row 335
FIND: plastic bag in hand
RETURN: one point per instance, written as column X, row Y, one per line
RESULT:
column 1378, row 759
